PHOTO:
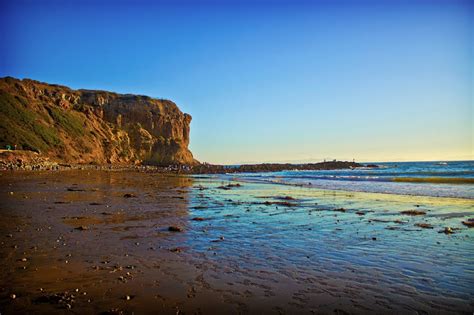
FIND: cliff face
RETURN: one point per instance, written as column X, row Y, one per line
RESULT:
column 86, row 126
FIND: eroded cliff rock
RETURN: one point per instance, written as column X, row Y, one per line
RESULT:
column 87, row 126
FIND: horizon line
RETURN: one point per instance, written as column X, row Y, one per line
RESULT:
column 342, row 160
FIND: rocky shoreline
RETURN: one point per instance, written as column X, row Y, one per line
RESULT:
column 20, row 160
column 272, row 167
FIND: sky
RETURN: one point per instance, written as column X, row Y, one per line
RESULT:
column 269, row 81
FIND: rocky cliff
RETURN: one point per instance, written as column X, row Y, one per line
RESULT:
column 88, row 126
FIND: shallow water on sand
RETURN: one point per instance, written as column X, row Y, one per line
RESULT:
column 242, row 249
column 454, row 179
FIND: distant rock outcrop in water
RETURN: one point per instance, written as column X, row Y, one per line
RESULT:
column 88, row 126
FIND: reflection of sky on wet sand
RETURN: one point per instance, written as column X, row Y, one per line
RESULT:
column 369, row 246
column 243, row 254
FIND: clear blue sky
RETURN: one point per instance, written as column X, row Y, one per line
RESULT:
column 269, row 80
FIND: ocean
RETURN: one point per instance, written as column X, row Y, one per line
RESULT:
column 436, row 179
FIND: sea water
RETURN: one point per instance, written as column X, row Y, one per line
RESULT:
column 436, row 179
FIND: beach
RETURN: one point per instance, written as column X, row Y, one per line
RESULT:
column 236, row 157
column 128, row 242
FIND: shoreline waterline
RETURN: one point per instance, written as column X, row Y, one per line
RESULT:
column 455, row 179
column 232, row 177
column 316, row 191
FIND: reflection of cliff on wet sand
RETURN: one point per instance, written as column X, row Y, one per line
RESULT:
column 78, row 230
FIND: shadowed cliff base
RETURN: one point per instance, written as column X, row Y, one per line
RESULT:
column 30, row 160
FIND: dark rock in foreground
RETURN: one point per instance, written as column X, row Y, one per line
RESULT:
column 469, row 223
column 413, row 212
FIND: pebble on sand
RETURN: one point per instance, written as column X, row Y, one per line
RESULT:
column 469, row 223
column 447, row 230
column 424, row 225
column 413, row 212
column 82, row 228
column 174, row 228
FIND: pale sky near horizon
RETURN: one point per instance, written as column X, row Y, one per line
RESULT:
column 269, row 81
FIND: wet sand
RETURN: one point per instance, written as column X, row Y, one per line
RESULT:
column 91, row 242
